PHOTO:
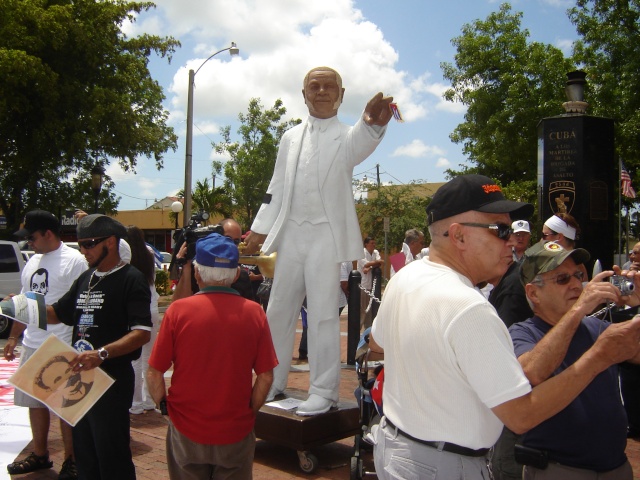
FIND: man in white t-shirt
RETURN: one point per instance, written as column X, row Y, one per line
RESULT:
column 451, row 376
column 370, row 261
column 51, row 272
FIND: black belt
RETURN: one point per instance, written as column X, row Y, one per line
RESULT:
column 447, row 447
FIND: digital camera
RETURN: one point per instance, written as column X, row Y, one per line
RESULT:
column 623, row 284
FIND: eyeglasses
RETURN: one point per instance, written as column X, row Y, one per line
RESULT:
column 563, row 278
column 502, row 230
column 89, row 244
column 545, row 235
column 30, row 238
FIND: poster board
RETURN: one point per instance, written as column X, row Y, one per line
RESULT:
column 47, row 377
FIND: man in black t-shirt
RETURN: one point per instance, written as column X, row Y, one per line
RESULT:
column 109, row 309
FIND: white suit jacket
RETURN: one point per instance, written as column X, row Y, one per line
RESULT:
column 342, row 148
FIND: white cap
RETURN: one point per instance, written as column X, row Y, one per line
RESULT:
column 520, row 226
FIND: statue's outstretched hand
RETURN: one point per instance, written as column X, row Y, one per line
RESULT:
column 377, row 111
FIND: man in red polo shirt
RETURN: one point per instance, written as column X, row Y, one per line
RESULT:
column 215, row 340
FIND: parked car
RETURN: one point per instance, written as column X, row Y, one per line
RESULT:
column 27, row 254
column 11, row 265
column 166, row 260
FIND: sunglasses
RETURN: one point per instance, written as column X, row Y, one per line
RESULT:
column 89, row 244
column 30, row 238
column 545, row 235
column 502, row 230
column 563, row 278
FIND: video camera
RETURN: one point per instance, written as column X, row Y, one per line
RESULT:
column 190, row 234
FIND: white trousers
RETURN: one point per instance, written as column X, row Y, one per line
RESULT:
column 307, row 265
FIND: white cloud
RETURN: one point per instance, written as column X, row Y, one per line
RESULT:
column 564, row 44
column 279, row 41
column 443, row 163
column 417, row 149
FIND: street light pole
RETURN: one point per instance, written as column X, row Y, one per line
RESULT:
column 233, row 50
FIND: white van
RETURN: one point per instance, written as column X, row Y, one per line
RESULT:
column 11, row 265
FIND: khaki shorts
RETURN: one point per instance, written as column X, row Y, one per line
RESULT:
column 21, row 399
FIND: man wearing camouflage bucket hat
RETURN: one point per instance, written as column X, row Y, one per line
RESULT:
column 588, row 438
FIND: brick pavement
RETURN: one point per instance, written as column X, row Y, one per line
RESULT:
column 272, row 462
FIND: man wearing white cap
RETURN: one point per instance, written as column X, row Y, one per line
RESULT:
column 522, row 233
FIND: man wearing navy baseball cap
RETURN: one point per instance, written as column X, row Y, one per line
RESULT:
column 215, row 340
column 451, row 410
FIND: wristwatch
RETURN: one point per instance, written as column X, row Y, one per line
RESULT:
column 103, row 354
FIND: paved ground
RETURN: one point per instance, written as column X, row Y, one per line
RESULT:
column 272, row 462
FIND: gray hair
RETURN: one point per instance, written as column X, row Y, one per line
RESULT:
column 412, row 235
column 216, row 275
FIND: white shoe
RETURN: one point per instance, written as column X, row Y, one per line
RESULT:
column 273, row 393
column 136, row 410
column 315, row 405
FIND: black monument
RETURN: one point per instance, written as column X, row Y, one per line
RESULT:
column 578, row 174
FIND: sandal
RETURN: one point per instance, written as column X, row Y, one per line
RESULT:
column 30, row 464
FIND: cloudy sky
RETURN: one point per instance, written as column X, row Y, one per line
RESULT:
column 377, row 45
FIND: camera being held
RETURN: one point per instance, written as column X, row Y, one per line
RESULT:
column 190, row 234
column 623, row 284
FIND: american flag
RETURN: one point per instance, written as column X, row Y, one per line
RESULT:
column 625, row 183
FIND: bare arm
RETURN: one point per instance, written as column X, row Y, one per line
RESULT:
column 131, row 341
column 539, row 363
column 183, row 287
column 156, row 385
column 16, row 330
column 260, row 390
column 617, row 343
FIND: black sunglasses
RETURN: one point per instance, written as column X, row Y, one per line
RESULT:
column 545, row 235
column 502, row 230
column 89, row 244
column 563, row 278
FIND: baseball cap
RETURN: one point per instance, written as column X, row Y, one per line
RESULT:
column 216, row 250
column 520, row 226
column 38, row 220
column 98, row 225
column 473, row 192
column 544, row 257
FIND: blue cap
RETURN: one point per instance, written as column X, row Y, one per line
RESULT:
column 215, row 250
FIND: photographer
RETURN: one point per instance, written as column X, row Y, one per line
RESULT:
column 187, row 284
column 587, row 438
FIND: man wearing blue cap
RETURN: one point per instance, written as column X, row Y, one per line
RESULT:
column 215, row 341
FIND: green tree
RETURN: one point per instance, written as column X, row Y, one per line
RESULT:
column 610, row 34
column 211, row 200
column 74, row 90
column 251, row 160
column 508, row 85
column 401, row 203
